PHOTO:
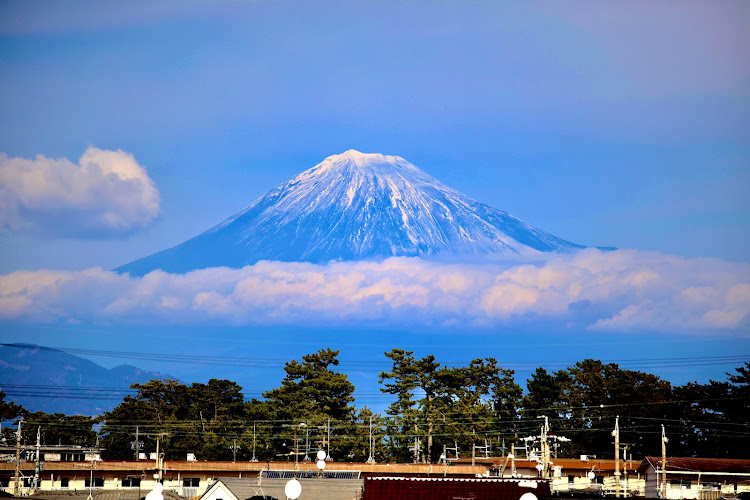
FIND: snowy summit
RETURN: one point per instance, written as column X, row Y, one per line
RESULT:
column 355, row 206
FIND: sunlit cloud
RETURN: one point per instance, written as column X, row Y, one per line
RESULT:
column 623, row 290
column 106, row 193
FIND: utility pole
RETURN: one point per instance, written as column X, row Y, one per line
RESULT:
column 473, row 448
column 328, row 441
column 158, row 462
column 137, row 444
column 371, row 459
column 625, row 468
column 159, row 435
column 616, row 434
column 307, row 442
column 234, row 450
column 254, row 459
column 16, row 486
column 664, row 441
column 38, row 456
column 546, row 459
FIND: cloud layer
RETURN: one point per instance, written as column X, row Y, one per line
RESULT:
column 106, row 193
column 622, row 290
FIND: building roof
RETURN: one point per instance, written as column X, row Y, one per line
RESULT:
column 219, row 467
column 693, row 464
column 96, row 494
column 330, row 489
column 568, row 464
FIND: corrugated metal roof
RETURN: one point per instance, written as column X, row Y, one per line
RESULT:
column 330, row 489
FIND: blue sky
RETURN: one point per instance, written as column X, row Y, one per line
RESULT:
column 620, row 124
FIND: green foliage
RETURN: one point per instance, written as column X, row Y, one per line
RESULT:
column 310, row 394
column 438, row 405
column 714, row 417
column 57, row 428
column 8, row 409
column 311, row 390
column 200, row 419
column 460, row 405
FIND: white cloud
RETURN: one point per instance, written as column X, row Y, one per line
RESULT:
column 622, row 290
column 106, row 193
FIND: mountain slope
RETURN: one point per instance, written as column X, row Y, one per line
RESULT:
column 355, row 206
column 45, row 379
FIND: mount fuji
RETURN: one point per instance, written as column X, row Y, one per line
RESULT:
column 355, row 206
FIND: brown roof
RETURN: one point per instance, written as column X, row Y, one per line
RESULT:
column 692, row 464
column 218, row 467
column 569, row 464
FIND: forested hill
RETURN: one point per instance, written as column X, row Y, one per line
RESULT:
column 430, row 404
column 45, row 379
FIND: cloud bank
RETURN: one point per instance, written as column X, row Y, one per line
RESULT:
column 106, row 193
column 622, row 290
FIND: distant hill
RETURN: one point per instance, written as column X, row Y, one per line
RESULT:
column 50, row 380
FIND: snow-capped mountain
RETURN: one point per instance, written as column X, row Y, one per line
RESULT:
column 355, row 206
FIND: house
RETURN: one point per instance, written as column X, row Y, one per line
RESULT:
column 695, row 478
column 439, row 488
column 330, row 488
column 569, row 475
column 190, row 479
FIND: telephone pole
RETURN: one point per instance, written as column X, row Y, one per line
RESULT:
column 137, row 445
column 37, row 465
column 371, row 458
column 546, row 459
column 664, row 440
column 616, row 434
column 16, row 486
column 254, row 459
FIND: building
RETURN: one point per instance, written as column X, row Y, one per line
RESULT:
column 569, row 475
column 190, row 479
column 696, row 478
column 413, row 488
column 330, row 488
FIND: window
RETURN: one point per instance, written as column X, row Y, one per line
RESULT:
column 571, row 479
column 4, row 482
column 64, row 482
column 191, row 482
column 131, row 482
column 683, row 484
column 98, row 482
column 600, row 479
column 713, row 486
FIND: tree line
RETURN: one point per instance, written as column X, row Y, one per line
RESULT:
column 433, row 408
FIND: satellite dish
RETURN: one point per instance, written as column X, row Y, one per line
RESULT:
column 293, row 489
column 321, row 455
column 156, row 493
column 528, row 496
column 591, row 475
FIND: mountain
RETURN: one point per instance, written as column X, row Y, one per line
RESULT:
column 355, row 206
column 45, row 379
